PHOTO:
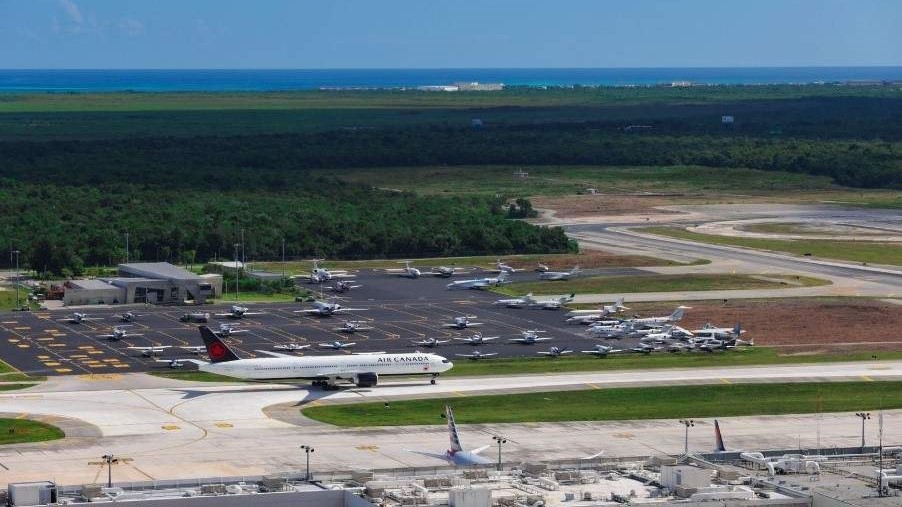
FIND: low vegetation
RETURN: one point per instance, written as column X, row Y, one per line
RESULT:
column 17, row 431
column 658, row 283
column 664, row 402
column 870, row 252
column 10, row 374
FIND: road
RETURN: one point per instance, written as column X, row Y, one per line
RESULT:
column 171, row 429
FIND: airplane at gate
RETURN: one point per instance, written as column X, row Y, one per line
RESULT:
column 455, row 454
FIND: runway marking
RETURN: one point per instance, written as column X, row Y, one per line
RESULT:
column 170, row 427
column 460, row 394
column 63, row 370
column 593, row 386
column 23, row 415
column 725, row 381
column 22, row 328
column 879, row 368
column 10, row 322
column 372, row 448
column 224, row 425
column 866, row 378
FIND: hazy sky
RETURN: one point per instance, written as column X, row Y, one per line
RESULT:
column 441, row 33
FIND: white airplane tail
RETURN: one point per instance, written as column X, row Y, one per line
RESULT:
column 502, row 277
column 677, row 315
column 452, row 430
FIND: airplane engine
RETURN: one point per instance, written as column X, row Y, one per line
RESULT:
column 366, row 379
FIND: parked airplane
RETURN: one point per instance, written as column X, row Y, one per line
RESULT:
column 476, row 339
column 78, row 318
column 612, row 331
column 126, row 317
column 676, row 316
column 709, row 331
column 341, row 287
column 173, row 363
column 552, row 304
column 292, row 346
column 323, row 309
column 320, row 275
column 447, row 271
column 530, row 337
column 645, row 348
column 555, row 352
column 541, row 268
column 194, row 350
column 150, row 351
column 604, row 310
column 226, row 329
column 238, row 312
column 407, row 271
column 520, row 302
column 462, row 322
column 199, row 317
column 501, row 267
column 363, row 370
column 476, row 355
column 479, row 283
column 118, row 333
column 337, row 345
column 351, row 326
column 559, row 275
column 455, row 454
column 429, row 342
column 602, row 350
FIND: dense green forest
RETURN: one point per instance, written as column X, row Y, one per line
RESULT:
column 184, row 173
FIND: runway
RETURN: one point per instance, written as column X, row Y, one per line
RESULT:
column 172, row 429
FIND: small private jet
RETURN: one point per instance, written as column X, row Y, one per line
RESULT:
column 290, row 346
column 559, row 275
column 226, row 329
column 352, row 326
column 476, row 339
column 530, row 337
column 325, row 309
column 462, row 322
column 238, row 312
column 78, row 318
column 478, row 283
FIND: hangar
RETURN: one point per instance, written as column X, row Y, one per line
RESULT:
column 145, row 282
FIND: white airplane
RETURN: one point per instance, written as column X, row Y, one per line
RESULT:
column 126, row 317
column 341, row 287
column 710, row 331
column 363, row 370
column 529, row 337
column 520, row 302
column 602, row 351
column 479, row 283
column 645, row 348
column 604, row 310
column 666, row 333
column 291, row 346
column 476, row 355
column 676, row 316
column 320, row 275
column 194, row 350
column 476, row 339
column 447, row 271
column 462, row 322
column 118, row 333
column 226, row 329
column 173, row 363
column 541, row 268
column 407, row 271
column 195, row 317
column 429, row 342
column 455, row 455
column 78, row 318
column 337, row 345
column 612, row 331
column 324, row 309
column 552, row 304
column 559, row 275
column 150, row 351
column 351, row 326
column 501, row 267
column 555, row 352
column 238, row 312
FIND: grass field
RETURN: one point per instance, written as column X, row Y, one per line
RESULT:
column 858, row 251
column 657, row 283
column 8, row 298
column 666, row 402
column 17, row 431
column 10, row 374
column 228, row 297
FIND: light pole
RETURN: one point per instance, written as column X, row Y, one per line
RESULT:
column 499, row 440
column 109, row 459
column 307, row 450
column 16, row 252
column 126, row 247
column 237, row 273
column 688, row 423
column 283, row 257
column 864, row 416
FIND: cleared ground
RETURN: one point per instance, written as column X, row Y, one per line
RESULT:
column 622, row 404
column 17, row 431
column 659, row 283
column 869, row 252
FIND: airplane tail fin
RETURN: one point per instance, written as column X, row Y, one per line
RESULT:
column 718, row 438
column 452, row 430
column 737, row 330
column 502, row 277
column 575, row 270
column 618, row 303
column 218, row 351
column 676, row 315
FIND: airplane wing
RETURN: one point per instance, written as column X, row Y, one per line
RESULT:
column 274, row 354
column 111, row 335
column 542, row 339
column 223, row 314
column 480, row 449
column 430, row 454
column 351, row 310
column 544, row 353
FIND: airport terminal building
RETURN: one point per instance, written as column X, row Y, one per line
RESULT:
column 145, row 282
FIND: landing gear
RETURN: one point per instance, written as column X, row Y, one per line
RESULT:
column 432, row 380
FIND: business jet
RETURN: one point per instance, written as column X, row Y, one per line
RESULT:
column 321, row 275
column 709, row 331
column 226, row 329
column 126, row 317
column 119, row 333
column 604, row 310
column 529, row 337
column 552, row 304
column 555, row 352
column 645, row 348
column 363, row 370
column 602, row 351
column 501, row 267
column 479, row 283
column 341, row 287
column 173, row 363
column 290, row 346
column 78, row 318
column 428, row 342
column 612, row 331
column 447, row 271
column 238, row 312
column 324, row 309
column 476, row 339
column 676, row 316
column 337, row 345
column 520, row 302
column 477, row 355
column 462, row 322
column 351, row 326
column 455, row 455
column 541, row 268
column 559, row 275
column 150, row 351
column 407, row 271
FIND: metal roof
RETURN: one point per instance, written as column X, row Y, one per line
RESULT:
column 158, row 270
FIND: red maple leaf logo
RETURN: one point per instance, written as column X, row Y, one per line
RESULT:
column 217, row 351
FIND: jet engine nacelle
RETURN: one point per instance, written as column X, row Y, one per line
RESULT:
column 366, row 379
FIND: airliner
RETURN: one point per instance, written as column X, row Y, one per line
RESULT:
column 362, row 370
column 455, row 454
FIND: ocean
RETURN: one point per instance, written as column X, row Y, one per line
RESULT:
column 226, row 80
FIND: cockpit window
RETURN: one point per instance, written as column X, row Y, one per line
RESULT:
column 445, row 361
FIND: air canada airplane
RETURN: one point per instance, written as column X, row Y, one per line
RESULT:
column 363, row 370
column 455, row 454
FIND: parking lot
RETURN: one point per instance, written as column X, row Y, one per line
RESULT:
column 400, row 310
